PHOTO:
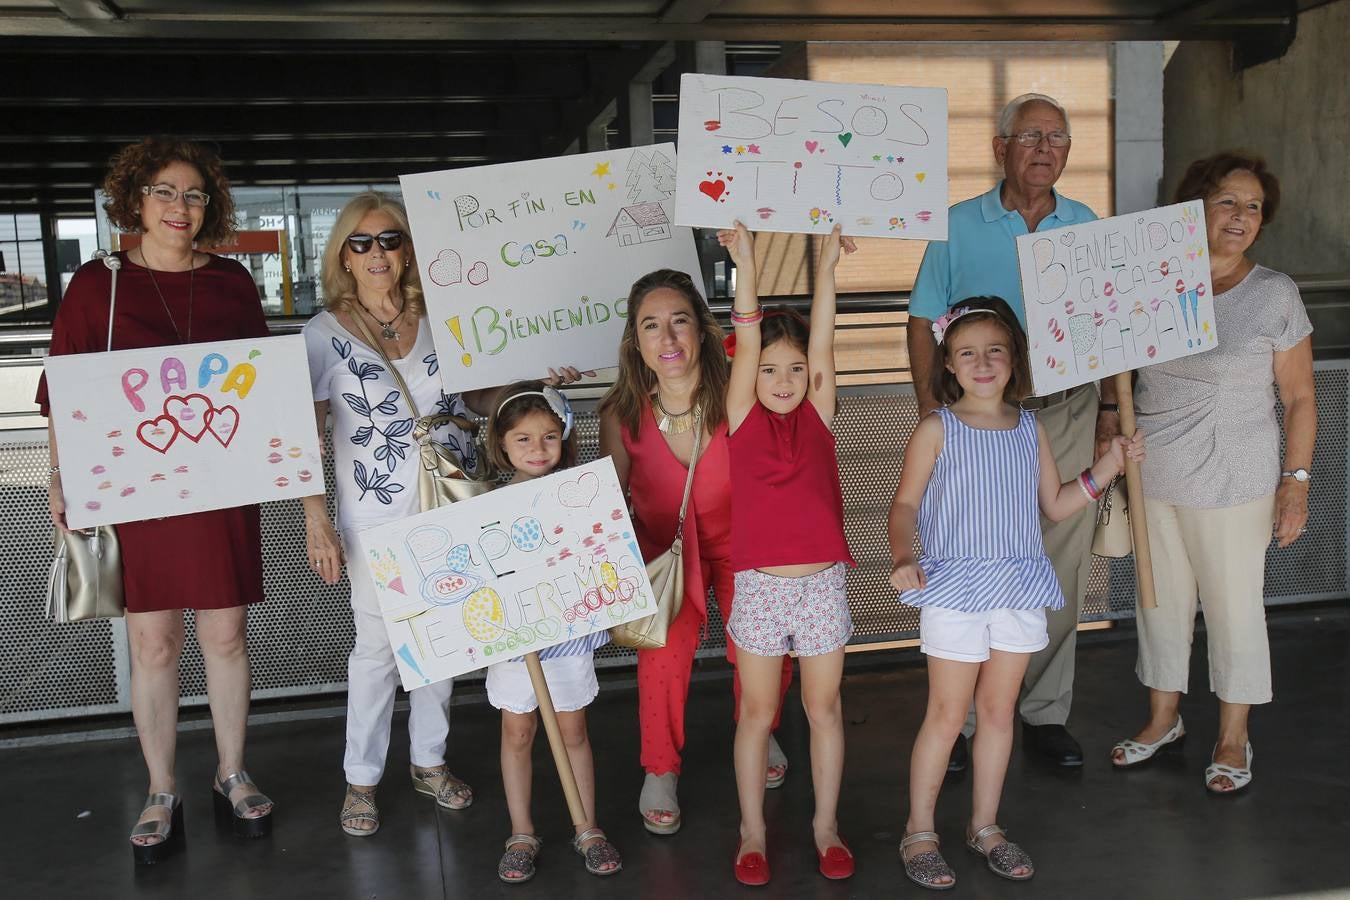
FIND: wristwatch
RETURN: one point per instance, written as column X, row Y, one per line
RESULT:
column 1298, row 475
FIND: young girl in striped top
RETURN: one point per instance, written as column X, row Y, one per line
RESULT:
column 976, row 474
column 530, row 432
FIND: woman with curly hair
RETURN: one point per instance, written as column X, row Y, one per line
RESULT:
column 175, row 195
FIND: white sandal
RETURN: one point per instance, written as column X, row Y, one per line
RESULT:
column 1136, row 752
column 658, row 796
column 1240, row 777
column 776, row 772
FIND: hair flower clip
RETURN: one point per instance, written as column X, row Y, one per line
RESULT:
column 944, row 322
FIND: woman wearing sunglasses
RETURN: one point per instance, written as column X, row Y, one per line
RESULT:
column 373, row 294
column 173, row 193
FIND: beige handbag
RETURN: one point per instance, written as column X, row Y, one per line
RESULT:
column 85, row 581
column 86, row 576
column 666, row 573
column 1112, row 536
column 441, row 479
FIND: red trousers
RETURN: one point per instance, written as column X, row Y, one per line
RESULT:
column 663, row 676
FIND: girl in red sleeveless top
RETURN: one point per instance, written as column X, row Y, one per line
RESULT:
column 788, row 550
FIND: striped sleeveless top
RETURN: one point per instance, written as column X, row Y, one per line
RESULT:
column 979, row 522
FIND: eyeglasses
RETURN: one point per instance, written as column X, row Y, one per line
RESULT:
column 361, row 243
column 1033, row 138
column 167, row 193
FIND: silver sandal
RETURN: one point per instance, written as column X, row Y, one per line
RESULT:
column 1001, row 858
column 599, row 854
column 450, row 792
column 359, row 806
column 170, row 833
column 922, row 868
column 234, row 816
column 521, row 861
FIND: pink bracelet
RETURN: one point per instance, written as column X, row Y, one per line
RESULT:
column 1088, row 486
column 753, row 318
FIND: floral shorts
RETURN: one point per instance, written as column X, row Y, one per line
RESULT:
column 772, row 615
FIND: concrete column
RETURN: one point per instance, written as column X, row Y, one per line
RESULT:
column 1138, row 88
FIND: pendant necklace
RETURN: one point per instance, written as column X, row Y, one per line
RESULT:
column 192, row 277
column 674, row 423
column 386, row 328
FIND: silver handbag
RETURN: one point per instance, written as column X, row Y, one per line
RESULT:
column 85, row 581
column 86, row 576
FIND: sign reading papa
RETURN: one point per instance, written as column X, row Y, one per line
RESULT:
column 528, row 265
column 518, row 570
column 1116, row 294
column 164, row 431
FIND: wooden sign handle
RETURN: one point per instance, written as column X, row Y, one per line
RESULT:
column 555, row 740
column 1134, row 490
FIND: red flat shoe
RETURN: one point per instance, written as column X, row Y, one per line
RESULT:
column 751, row 869
column 836, row 863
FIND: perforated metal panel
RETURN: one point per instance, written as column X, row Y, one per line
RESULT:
column 45, row 669
column 300, row 637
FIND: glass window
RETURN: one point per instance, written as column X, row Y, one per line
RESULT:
column 23, row 277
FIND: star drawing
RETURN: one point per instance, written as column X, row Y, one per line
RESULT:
column 601, row 170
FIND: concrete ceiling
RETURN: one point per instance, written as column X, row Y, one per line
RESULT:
column 358, row 91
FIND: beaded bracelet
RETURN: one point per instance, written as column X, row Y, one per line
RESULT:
column 753, row 318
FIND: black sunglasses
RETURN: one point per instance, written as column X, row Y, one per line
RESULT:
column 360, row 243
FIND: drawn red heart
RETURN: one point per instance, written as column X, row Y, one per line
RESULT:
column 811, row 146
column 713, row 189
column 158, row 433
column 223, row 424
column 190, row 412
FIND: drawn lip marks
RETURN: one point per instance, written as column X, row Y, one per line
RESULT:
column 712, row 125
column 282, row 481
column 294, row 452
column 158, row 433
column 765, row 212
column 304, row 475
column 274, row 443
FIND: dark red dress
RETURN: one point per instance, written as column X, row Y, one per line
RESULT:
column 207, row 560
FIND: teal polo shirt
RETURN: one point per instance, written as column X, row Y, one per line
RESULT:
column 979, row 257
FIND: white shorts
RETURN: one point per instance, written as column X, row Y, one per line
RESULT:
column 571, row 684
column 969, row 636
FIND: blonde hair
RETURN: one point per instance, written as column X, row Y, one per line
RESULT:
column 339, row 285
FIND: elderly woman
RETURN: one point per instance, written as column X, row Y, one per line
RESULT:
column 1214, row 479
column 175, row 193
column 373, row 296
column 672, row 374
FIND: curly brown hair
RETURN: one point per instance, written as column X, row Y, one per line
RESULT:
column 632, row 390
column 946, row 389
column 1203, row 176
column 136, row 165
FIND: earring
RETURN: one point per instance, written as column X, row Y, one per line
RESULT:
column 347, row 268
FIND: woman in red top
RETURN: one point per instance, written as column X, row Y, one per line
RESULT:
column 787, row 548
column 174, row 192
column 671, row 367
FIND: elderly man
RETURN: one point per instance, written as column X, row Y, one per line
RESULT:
column 980, row 258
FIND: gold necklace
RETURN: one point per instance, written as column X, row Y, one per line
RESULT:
column 674, row 423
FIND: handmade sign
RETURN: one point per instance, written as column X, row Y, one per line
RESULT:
column 514, row 571
column 528, row 265
column 784, row 155
column 1116, row 294
column 164, row 431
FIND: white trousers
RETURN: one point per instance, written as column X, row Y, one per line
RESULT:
column 372, row 678
column 1217, row 556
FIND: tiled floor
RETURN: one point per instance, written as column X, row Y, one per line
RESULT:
column 1151, row 832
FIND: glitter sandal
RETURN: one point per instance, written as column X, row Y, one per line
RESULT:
column 450, row 792
column 519, row 861
column 599, row 854
column 1002, row 858
column 922, row 868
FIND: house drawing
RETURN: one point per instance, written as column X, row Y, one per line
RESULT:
column 640, row 223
